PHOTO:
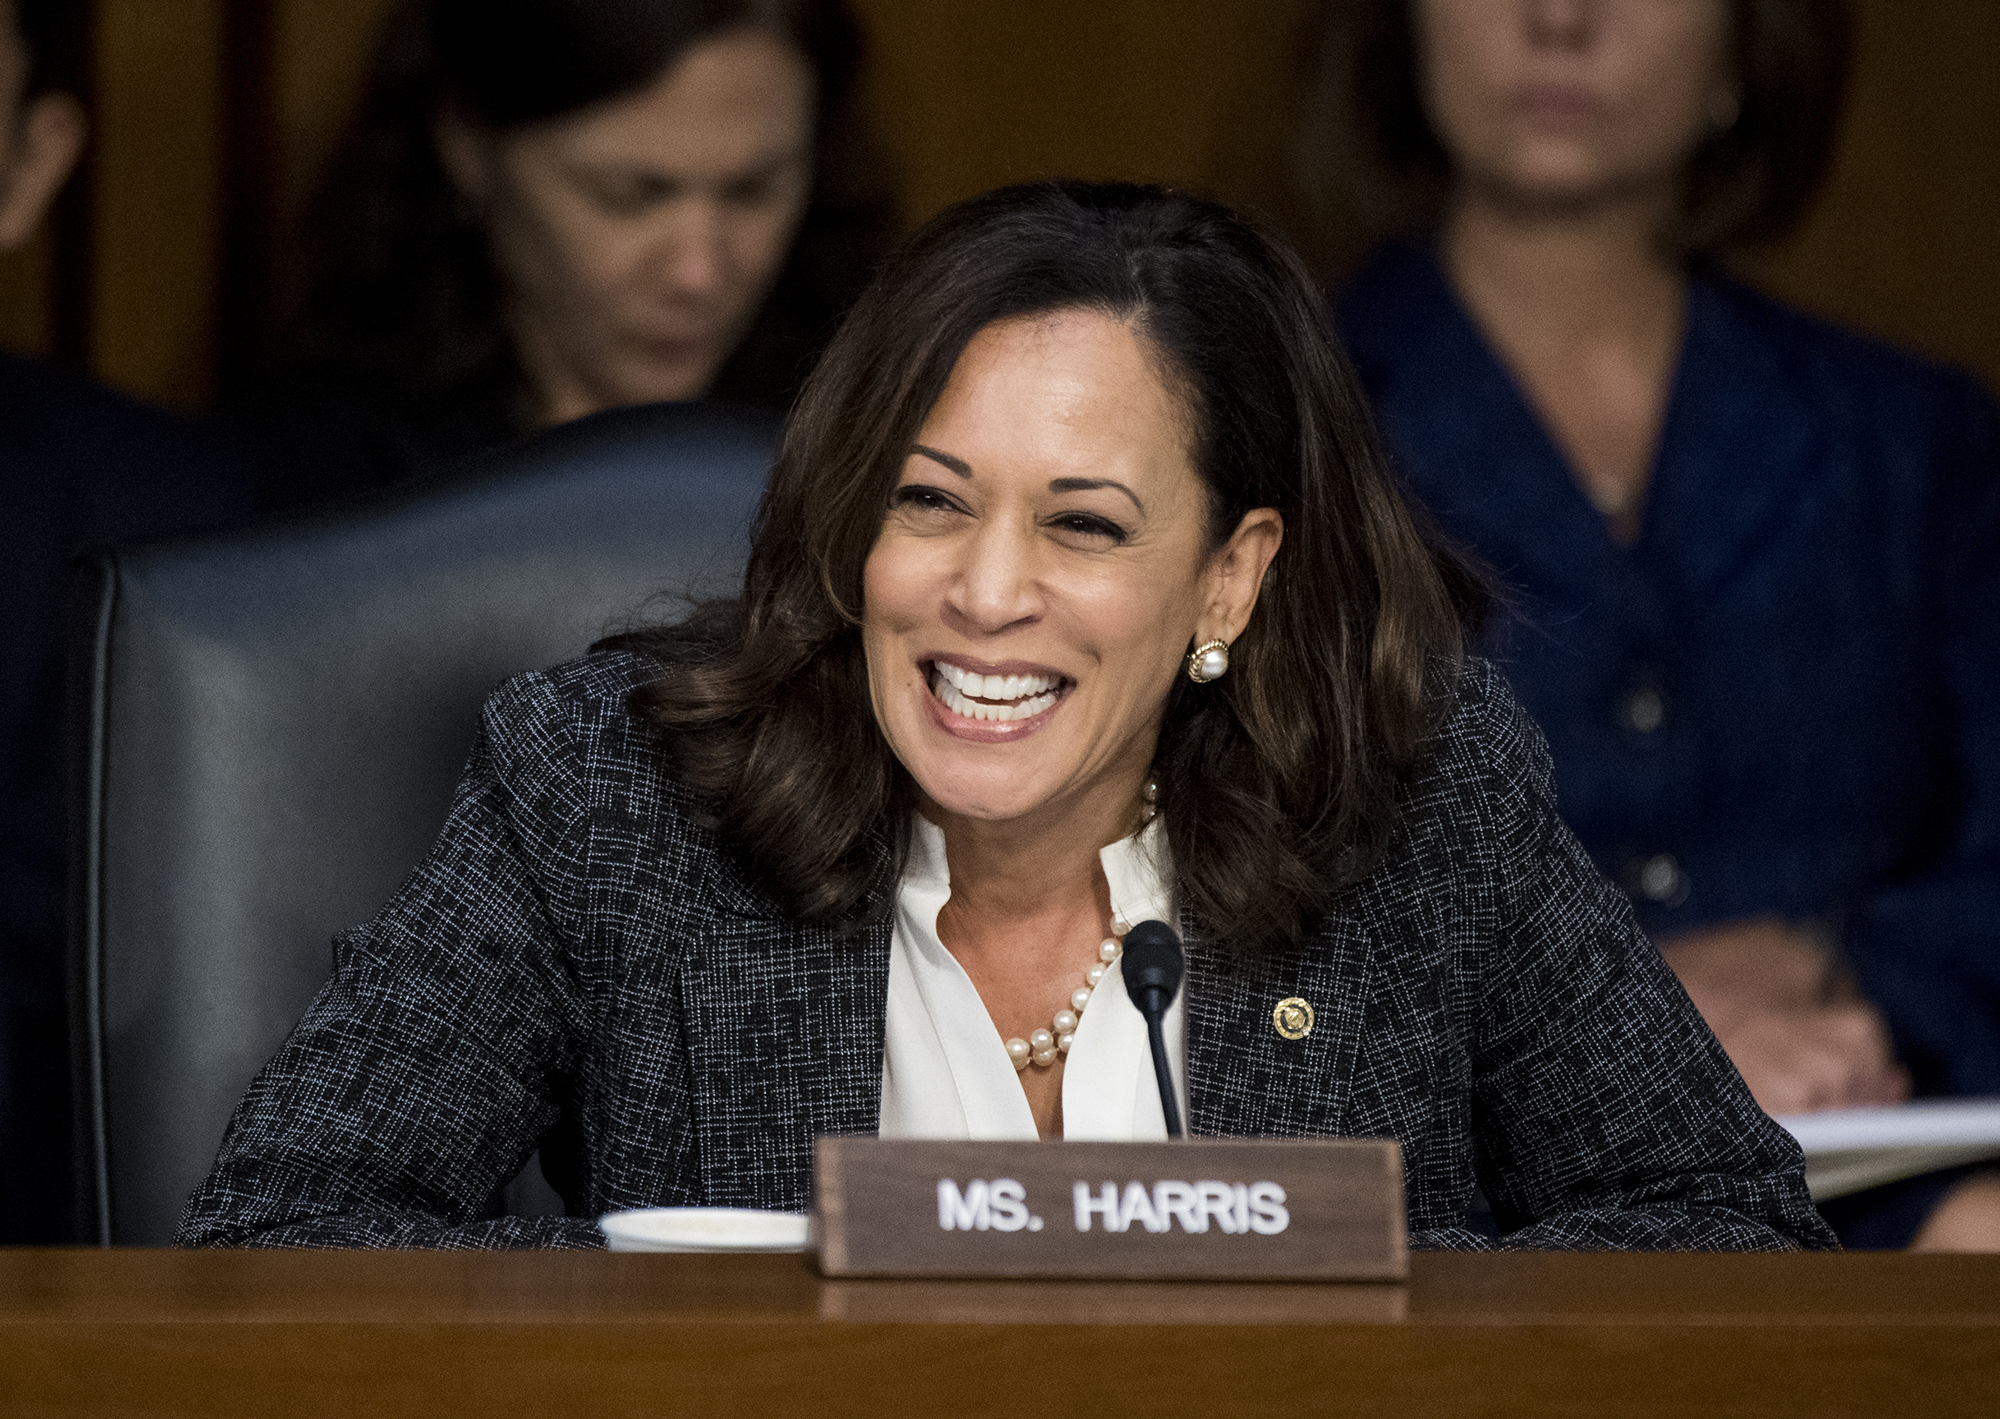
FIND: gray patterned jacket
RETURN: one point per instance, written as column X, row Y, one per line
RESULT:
column 577, row 967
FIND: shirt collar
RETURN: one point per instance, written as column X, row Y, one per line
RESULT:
column 1136, row 867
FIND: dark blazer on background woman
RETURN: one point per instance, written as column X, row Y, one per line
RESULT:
column 578, row 967
column 1784, row 697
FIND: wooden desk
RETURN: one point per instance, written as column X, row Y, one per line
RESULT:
column 343, row 1333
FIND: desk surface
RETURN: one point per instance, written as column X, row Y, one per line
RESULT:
column 268, row 1333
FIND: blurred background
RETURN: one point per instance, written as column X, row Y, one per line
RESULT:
column 166, row 267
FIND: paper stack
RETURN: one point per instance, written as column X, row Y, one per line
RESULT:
column 1848, row 1150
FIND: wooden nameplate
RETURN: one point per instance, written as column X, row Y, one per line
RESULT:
column 1244, row 1210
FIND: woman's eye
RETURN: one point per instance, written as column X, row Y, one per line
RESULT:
column 1089, row 524
column 918, row 497
column 629, row 199
column 758, row 192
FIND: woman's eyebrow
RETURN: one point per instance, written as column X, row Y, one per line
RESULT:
column 1087, row 485
column 956, row 465
column 760, row 168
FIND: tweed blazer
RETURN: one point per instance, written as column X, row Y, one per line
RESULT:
column 578, row 966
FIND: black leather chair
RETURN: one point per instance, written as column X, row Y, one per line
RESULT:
column 270, row 725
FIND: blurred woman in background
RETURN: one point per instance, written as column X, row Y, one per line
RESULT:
column 553, row 207
column 1758, row 554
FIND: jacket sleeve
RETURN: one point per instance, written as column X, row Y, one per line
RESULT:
column 1605, row 1114
column 436, row 1056
column 1927, row 949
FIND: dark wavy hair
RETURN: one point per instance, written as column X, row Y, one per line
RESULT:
column 399, row 297
column 1278, row 782
column 1368, row 145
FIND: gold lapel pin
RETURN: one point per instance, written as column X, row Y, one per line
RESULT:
column 1293, row 1018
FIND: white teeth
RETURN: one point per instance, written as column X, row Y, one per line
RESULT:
column 974, row 696
column 1002, row 688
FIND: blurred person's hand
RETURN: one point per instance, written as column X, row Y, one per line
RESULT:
column 1791, row 1020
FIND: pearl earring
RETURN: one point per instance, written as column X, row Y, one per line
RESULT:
column 1209, row 661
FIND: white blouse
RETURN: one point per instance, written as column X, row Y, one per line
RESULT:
column 945, row 1070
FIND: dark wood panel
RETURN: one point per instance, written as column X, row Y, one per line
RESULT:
column 407, row 1333
column 27, row 297
column 157, row 198
column 1902, row 242
column 972, row 94
column 757, row 1369
column 53, row 1287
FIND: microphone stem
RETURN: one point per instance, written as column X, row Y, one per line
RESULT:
column 1169, row 1104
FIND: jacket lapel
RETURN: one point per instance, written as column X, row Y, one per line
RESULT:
column 784, row 1026
column 1477, row 453
column 1244, row 1077
column 1735, row 451
column 1740, row 444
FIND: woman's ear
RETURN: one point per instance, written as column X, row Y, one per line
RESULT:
column 1236, row 574
column 47, row 141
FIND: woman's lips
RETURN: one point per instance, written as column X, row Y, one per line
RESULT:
column 1558, row 108
column 993, row 707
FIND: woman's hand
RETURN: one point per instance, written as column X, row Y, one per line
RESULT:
column 1792, row 1022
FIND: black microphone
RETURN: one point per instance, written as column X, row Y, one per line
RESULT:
column 1153, row 965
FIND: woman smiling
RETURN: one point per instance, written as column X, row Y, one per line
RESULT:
column 1078, row 598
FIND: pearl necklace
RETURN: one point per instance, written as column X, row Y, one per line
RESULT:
column 1043, row 1047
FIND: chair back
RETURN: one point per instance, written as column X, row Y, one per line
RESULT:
column 269, row 725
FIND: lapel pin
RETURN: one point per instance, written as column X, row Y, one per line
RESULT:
column 1293, row 1018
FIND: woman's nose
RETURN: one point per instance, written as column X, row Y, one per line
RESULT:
column 994, row 588
column 1566, row 24
column 690, row 254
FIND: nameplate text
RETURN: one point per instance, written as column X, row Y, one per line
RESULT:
column 1318, row 1209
